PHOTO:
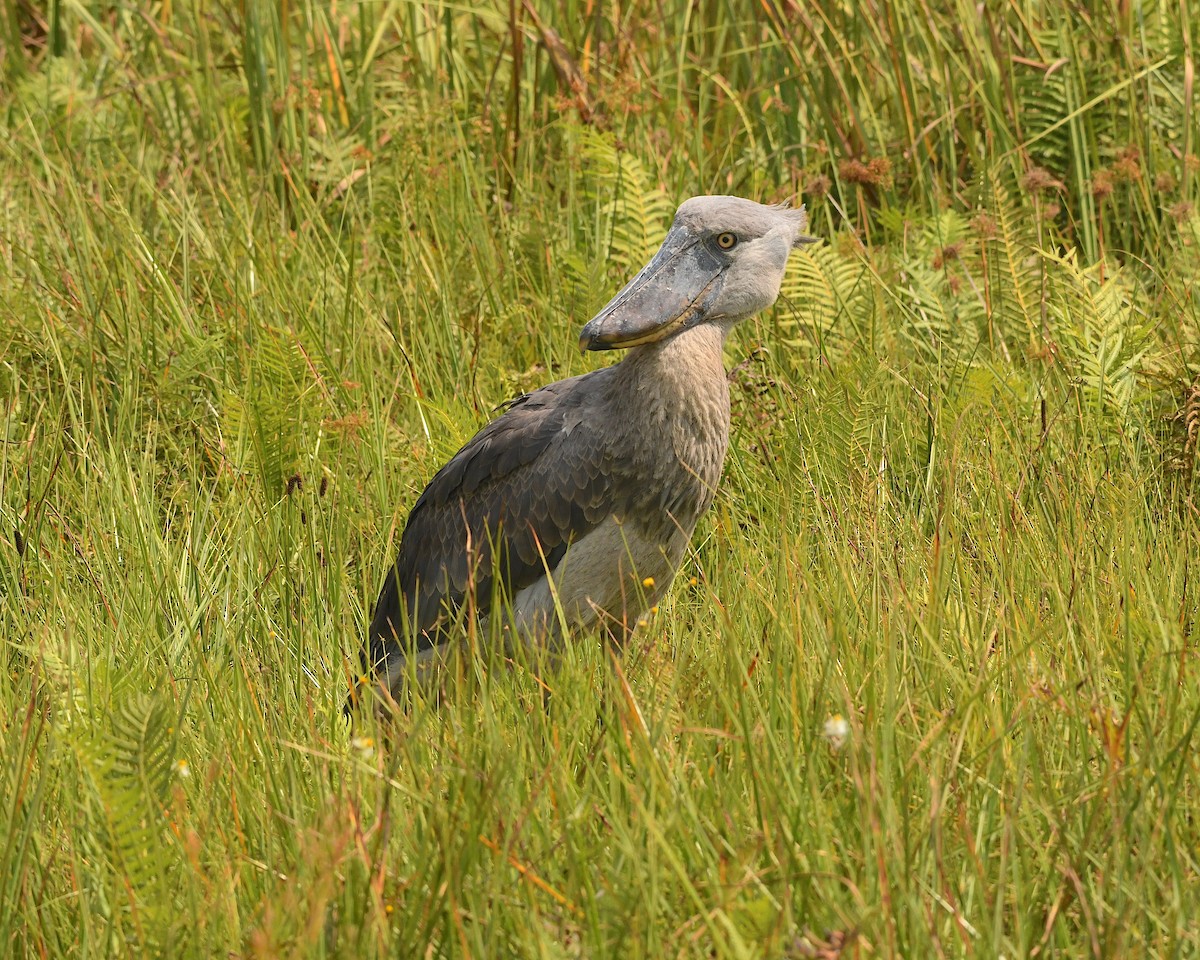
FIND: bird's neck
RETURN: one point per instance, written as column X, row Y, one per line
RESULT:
column 680, row 391
column 686, row 367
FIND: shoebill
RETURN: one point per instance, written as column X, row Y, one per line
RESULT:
column 582, row 497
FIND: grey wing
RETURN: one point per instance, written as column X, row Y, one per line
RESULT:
column 508, row 504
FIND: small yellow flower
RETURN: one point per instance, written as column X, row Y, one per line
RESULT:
column 642, row 622
column 654, row 609
column 648, row 582
column 836, row 730
column 390, row 909
column 692, row 581
column 364, row 745
column 182, row 769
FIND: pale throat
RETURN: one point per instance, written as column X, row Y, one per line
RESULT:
column 686, row 367
column 683, row 391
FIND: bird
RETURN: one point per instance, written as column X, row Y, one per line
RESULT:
column 573, row 510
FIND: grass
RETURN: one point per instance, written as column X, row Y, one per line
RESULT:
column 266, row 267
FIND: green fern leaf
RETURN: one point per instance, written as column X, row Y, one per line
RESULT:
column 1101, row 339
column 633, row 207
column 824, row 290
column 128, row 768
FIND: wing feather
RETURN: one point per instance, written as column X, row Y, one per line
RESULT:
column 525, row 487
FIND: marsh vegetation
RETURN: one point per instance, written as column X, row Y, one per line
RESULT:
column 926, row 685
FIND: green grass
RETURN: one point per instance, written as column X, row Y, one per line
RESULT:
column 264, row 267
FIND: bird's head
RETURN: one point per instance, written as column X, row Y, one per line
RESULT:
column 722, row 261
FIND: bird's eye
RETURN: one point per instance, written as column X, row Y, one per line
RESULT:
column 726, row 241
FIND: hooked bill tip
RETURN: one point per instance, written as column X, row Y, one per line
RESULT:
column 591, row 340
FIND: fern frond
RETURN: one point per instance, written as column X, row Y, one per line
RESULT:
column 261, row 423
column 128, row 768
column 1013, row 270
column 823, row 289
column 633, row 206
column 1100, row 336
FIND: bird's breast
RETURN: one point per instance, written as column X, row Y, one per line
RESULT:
column 678, row 462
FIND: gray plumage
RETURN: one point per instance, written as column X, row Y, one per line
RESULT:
column 583, row 496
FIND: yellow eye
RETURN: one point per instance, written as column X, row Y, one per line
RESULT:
column 726, row 241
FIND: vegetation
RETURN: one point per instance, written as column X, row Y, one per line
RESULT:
column 927, row 686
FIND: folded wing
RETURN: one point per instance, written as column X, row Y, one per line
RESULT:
column 509, row 503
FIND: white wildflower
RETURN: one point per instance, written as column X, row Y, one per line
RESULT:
column 364, row 745
column 836, row 730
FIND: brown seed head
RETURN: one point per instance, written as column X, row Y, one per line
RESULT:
column 984, row 225
column 873, row 173
column 1039, row 179
column 1127, row 167
column 1165, row 182
column 1181, row 211
column 817, row 186
column 947, row 254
